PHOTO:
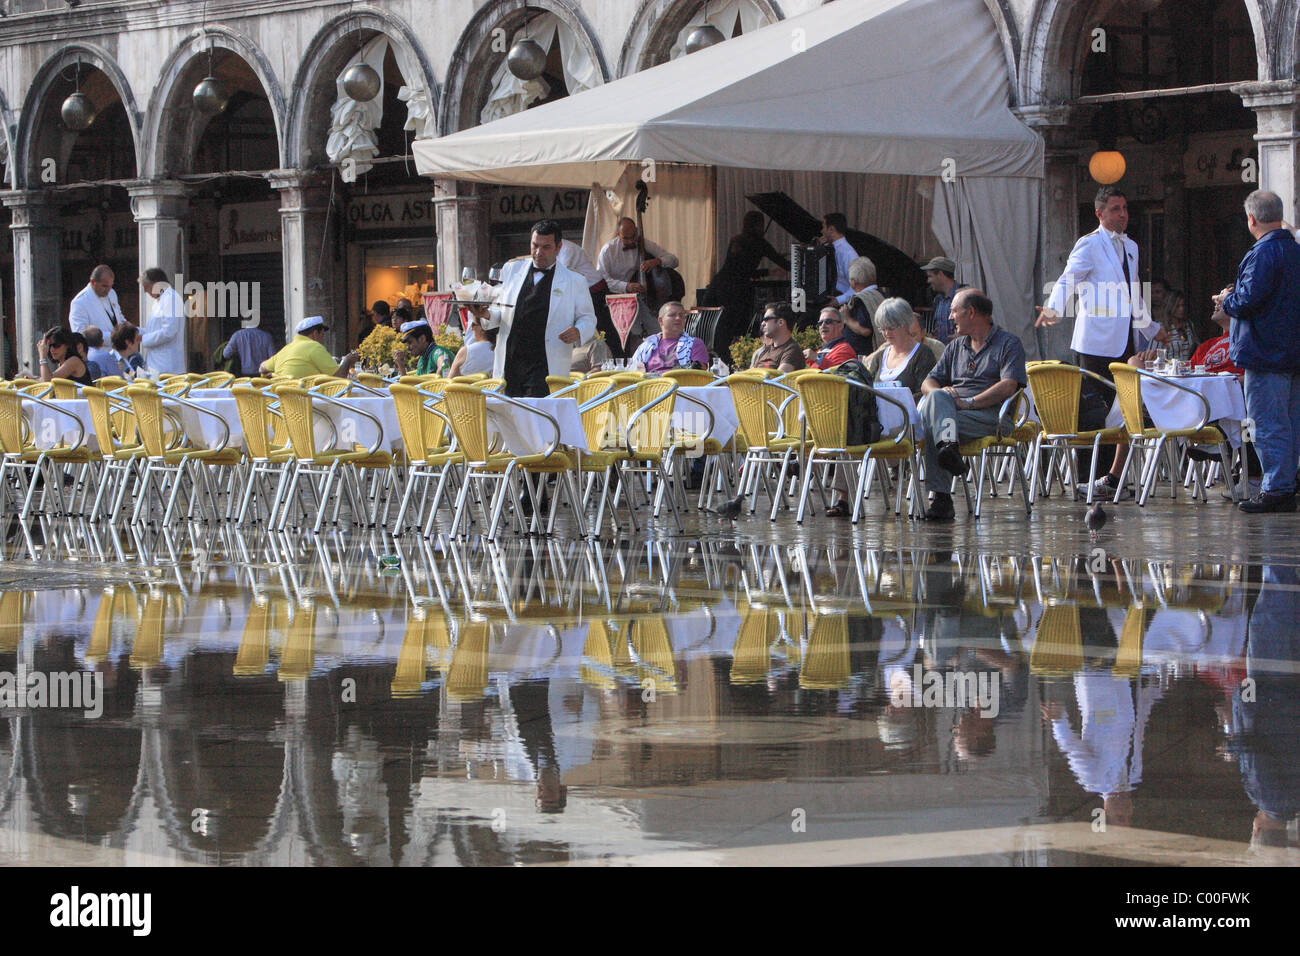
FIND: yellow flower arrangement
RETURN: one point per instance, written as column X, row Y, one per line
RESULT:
column 449, row 338
column 742, row 350
column 809, row 338
column 377, row 347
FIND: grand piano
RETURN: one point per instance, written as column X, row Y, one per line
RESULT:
column 897, row 273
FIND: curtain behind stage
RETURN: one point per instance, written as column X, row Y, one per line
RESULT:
column 890, row 207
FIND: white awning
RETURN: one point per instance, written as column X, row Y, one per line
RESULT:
column 917, row 87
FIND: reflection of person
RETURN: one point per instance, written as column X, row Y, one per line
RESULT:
column 306, row 354
column 530, row 701
column 671, row 347
column 162, row 335
column 96, row 304
column 1266, row 722
column 548, row 312
column 733, row 285
column 1264, row 304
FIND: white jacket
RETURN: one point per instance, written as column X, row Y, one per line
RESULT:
column 1105, row 302
column 88, row 309
column 570, row 308
column 162, row 338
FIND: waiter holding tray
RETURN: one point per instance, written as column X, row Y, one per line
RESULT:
column 545, row 311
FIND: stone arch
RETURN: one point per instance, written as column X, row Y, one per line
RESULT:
column 654, row 29
column 473, row 61
column 9, row 130
column 29, row 120
column 163, row 141
column 1004, row 21
column 325, row 56
column 1056, row 37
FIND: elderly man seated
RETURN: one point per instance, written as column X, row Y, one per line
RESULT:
column 306, row 354
column 671, row 347
column 980, row 369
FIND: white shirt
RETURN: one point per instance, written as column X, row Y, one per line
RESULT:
column 162, row 337
column 888, row 374
column 844, row 256
column 478, row 358
column 574, row 258
column 617, row 264
column 89, row 309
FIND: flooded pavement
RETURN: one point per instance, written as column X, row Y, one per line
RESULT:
column 1005, row 693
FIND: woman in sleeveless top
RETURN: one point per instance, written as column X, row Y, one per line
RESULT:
column 904, row 360
column 61, row 357
column 475, row 355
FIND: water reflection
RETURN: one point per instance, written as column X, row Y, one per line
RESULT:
column 298, row 700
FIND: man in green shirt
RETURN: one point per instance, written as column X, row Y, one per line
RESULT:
column 430, row 359
column 306, row 354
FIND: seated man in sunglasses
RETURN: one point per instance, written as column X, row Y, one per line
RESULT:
column 980, row 369
column 835, row 348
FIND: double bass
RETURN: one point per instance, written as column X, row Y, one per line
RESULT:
column 661, row 283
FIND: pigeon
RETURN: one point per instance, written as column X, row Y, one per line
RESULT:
column 731, row 507
column 1095, row 519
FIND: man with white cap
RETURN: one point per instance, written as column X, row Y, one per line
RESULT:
column 306, row 354
column 417, row 341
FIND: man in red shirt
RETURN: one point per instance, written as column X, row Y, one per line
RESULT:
column 1213, row 354
column 835, row 349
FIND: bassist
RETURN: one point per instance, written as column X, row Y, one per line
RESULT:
column 623, row 262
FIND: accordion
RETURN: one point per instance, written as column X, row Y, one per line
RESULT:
column 812, row 272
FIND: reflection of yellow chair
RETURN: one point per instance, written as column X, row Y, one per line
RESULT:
column 751, row 658
column 826, row 661
column 409, row 675
column 437, row 643
column 1128, row 659
column 1058, row 644
column 13, row 607
column 147, row 648
column 467, row 675
column 255, row 647
column 298, row 655
column 114, row 604
column 597, row 668
column 654, row 652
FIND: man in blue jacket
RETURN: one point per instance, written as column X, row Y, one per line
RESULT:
column 1264, row 305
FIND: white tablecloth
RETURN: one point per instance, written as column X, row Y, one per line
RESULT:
column 689, row 417
column 49, row 428
column 202, row 430
column 1170, row 408
column 524, row 434
column 357, row 429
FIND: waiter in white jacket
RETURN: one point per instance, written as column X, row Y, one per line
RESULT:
column 96, row 304
column 162, row 335
column 1103, row 271
column 546, row 310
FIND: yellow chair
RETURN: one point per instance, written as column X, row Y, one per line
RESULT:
column 255, row 646
column 489, row 384
column 558, row 383
column 166, row 463
column 1012, row 441
column 1056, row 388
column 1146, row 443
column 214, row 380
column 469, row 379
column 65, row 388
column 266, row 455
column 175, row 385
column 322, row 468
column 760, row 411
column 466, row 409
column 648, row 438
column 371, row 380
column 826, row 663
column 428, row 454
column 751, row 657
column 691, row 377
column 599, row 410
column 1058, row 643
column 23, row 460
column 825, row 401
column 1128, row 658
column 119, row 457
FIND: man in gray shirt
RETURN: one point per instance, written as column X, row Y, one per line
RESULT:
column 980, row 369
column 254, row 346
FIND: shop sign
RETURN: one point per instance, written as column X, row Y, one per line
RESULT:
column 249, row 227
column 412, row 211
column 519, row 204
column 1221, row 159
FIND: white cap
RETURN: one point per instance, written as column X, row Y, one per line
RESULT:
column 309, row 323
column 407, row 326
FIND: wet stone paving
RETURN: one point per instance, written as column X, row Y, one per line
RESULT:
column 1007, row 692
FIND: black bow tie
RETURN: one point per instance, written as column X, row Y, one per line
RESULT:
column 536, row 269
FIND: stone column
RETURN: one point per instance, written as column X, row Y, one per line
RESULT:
column 1060, row 128
column 462, row 222
column 38, row 277
column 161, row 210
column 1277, row 110
column 313, row 284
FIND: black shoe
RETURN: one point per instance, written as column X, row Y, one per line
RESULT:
column 839, row 509
column 1267, row 502
column 950, row 458
column 941, row 509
